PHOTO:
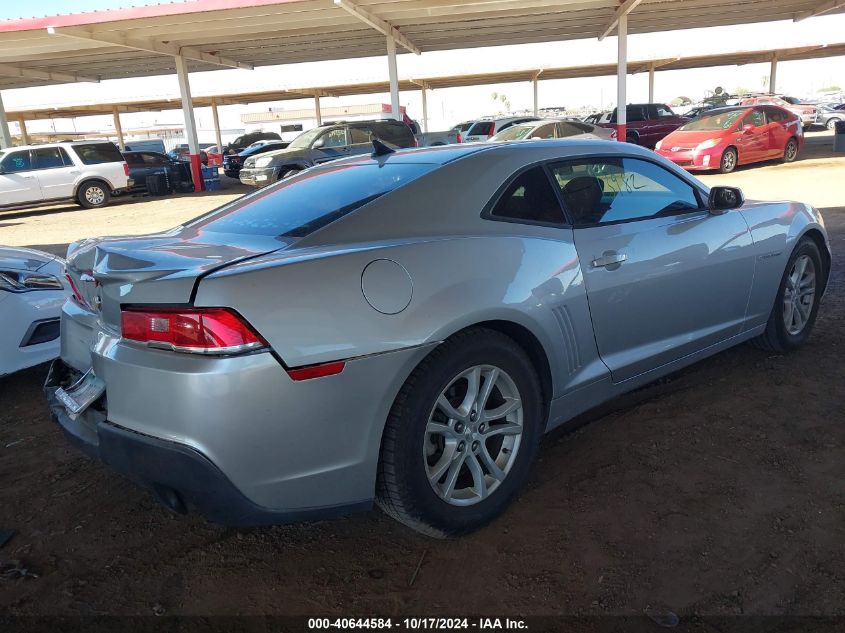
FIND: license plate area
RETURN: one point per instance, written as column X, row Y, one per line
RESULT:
column 79, row 396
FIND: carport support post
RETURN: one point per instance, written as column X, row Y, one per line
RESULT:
column 24, row 133
column 190, row 123
column 394, row 78
column 318, row 113
column 536, row 99
column 651, row 83
column 423, row 90
column 116, row 115
column 773, row 74
column 216, row 118
column 621, row 78
column 5, row 137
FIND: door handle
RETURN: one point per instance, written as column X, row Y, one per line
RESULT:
column 609, row 259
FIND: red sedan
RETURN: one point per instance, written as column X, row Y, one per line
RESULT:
column 724, row 138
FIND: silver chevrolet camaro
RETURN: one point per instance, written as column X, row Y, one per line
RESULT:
column 403, row 327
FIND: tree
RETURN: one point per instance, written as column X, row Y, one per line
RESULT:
column 503, row 99
column 740, row 91
column 831, row 88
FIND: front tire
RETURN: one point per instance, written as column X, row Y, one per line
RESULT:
column 461, row 435
column 728, row 161
column 93, row 194
column 797, row 301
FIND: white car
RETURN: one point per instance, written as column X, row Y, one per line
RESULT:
column 32, row 290
column 484, row 129
column 554, row 128
column 87, row 172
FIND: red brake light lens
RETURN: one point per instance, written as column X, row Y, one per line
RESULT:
column 126, row 169
column 460, row 138
column 491, row 131
column 198, row 331
column 316, row 371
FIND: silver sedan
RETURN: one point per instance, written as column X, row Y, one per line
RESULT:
column 375, row 330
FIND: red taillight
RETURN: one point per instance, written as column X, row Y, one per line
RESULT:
column 491, row 131
column 125, row 169
column 199, row 330
column 316, row 371
column 460, row 138
column 613, row 133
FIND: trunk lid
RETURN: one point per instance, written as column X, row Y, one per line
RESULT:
column 158, row 269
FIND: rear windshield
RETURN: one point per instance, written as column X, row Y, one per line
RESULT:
column 715, row 121
column 98, row 153
column 304, row 203
column 481, row 128
column 515, row 133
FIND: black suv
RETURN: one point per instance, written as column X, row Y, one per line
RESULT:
column 323, row 144
column 232, row 163
column 245, row 140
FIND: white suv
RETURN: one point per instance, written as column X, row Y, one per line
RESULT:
column 486, row 128
column 86, row 172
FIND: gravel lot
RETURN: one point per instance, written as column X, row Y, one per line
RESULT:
column 718, row 490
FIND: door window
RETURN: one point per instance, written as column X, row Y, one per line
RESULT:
column 607, row 190
column 360, row 135
column 755, row 118
column 544, row 131
column 334, row 138
column 97, row 153
column 50, row 158
column 530, row 198
column 16, row 161
column 572, row 128
column 661, row 110
column 152, row 160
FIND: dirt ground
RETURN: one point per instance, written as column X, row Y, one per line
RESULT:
column 717, row 491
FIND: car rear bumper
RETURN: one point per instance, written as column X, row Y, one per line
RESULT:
column 180, row 476
column 276, row 449
column 257, row 177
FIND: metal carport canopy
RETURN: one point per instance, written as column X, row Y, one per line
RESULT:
column 143, row 41
column 434, row 82
column 209, row 34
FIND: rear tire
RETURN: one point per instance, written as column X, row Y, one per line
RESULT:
column 790, row 152
column 446, row 468
column 794, row 313
column 632, row 138
column 93, row 194
column 728, row 161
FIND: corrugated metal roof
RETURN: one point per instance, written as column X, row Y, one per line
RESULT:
column 140, row 41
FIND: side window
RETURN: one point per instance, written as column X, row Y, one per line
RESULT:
column 604, row 190
column 634, row 113
column 755, row 118
column 16, row 161
column 775, row 115
column 662, row 110
column 530, row 198
column 571, row 128
column 360, row 135
column 544, row 131
column 334, row 138
column 133, row 160
column 152, row 160
column 96, row 153
column 505, row 126
column 49, row 158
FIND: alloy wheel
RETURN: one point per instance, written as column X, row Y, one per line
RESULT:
column 473, row 435
column 95, row 195
column 791, row 150
column 728, row 161
column 799, row 295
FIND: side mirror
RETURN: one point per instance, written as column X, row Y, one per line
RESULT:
column 747, row 128
column 318, row 143
column 723, row 199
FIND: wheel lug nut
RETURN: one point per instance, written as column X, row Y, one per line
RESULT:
column 482, row 427
column 461, row 447
column 459, row 428
column 473, row 416
column 475, row 445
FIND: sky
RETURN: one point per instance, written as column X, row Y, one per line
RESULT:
column 449, row 106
